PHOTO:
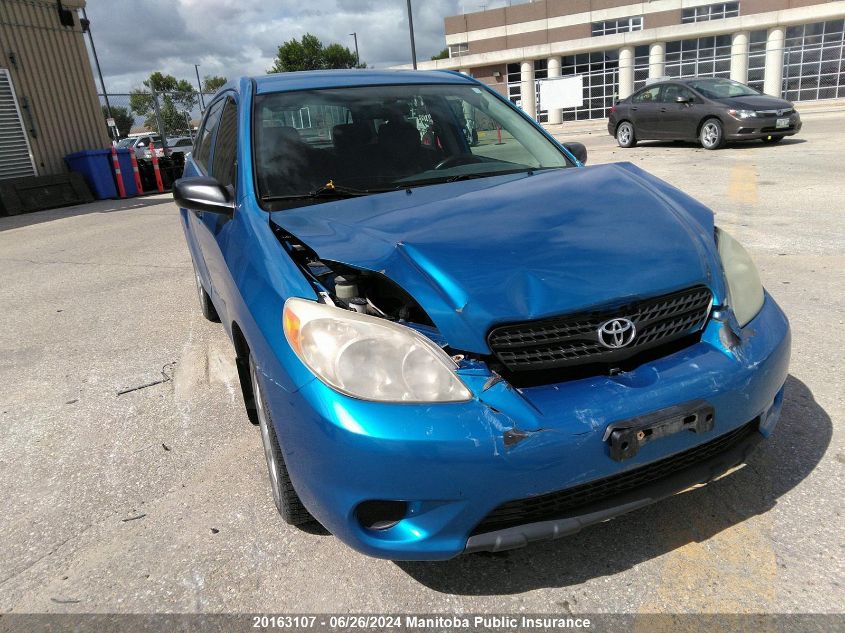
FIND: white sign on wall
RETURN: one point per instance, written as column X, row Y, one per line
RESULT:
column 565, row 92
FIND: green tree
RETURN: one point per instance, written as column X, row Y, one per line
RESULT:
column 444, row 54
column 122, row 119
column 309, row 53
column 212, row 83
column 175, row 96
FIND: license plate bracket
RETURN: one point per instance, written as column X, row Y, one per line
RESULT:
column 782, row 123
column 627, row 436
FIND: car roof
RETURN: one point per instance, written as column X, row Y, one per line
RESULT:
column 316, row 79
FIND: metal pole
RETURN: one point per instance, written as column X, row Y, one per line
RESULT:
column 97, row 63
column 161, row 131
column 357, row 57
column 199, row 85
column 411, row 29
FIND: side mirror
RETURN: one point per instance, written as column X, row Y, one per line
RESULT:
column 681, row 99
column 578, row 150
column 141, row 144
column 201, row 193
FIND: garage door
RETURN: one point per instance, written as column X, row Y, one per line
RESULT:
column 15, row 155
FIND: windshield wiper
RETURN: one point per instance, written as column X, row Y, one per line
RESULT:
column 329, row 190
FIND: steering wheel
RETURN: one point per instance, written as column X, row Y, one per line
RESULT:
column 454, row 161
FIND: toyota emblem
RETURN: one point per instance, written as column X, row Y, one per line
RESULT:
column 617, row 333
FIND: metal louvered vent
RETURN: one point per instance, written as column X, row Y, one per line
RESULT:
column 15, row 155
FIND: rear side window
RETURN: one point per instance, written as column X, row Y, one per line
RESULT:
column 649, row 95
column 226, row 146
column 203, row 150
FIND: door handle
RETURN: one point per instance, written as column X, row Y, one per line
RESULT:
column 634, row 108
column 663, row 109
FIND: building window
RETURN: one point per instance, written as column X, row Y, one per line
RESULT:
column 458, row 49
column 622, row 25
column 711, row 12
column 813, row 56
column 641, row 66
column 700, row 57
column 757, row 59
column 600, row 72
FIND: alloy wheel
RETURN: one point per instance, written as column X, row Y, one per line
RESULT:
column 710, row 134
column 267, row 439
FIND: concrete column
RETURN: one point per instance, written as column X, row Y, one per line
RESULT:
column 774, row 62
column 657, row 60
column 555, row 114
column 527, row 89
column 739, row 57
column 626, row 71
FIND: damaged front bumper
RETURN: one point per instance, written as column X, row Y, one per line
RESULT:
column 451, row 465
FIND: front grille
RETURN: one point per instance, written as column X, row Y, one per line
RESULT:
column 566, row 341
column 777, row 113
column 556, row 505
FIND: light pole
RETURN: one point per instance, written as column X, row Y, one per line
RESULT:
column 96, row 61
column 357, row 57
column 411, row 29
column 199, row 86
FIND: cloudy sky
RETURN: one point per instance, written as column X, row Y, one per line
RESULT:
column 235, row 37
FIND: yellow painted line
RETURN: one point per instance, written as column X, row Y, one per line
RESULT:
column 743, row 186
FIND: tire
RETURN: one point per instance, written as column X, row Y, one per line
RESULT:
column 712, row 135
column 771, row 140
column 284, row 496
column 206, row 306
column 625, row 134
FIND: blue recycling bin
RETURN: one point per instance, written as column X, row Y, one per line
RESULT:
column 95, row 167
column 125, row 162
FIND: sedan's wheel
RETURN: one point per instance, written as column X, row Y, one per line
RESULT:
column 625, row 135
column 773, row 139
column 206, row 306
column 711, row 136
column 284, row 496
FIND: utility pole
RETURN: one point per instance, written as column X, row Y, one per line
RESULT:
column 96, row 61
column 357, row 57
column 199, row 86
column 411, row 29
column 162, row 131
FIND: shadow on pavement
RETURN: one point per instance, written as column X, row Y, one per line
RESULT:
column 798, row 444
column 730, row 145
column 98, row 206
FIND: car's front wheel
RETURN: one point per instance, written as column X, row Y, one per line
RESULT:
column 773, row 139
column 712, row 135
column 207, row 308
column 284, row 496
column 625, row 134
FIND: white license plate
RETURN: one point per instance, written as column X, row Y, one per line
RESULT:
column 782, row 123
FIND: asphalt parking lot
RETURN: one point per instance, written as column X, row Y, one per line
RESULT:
column 157, row 499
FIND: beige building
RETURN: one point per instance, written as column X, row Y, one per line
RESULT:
column 789, row 48
column 48, row 101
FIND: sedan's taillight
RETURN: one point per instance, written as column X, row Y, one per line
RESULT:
column 613, row 109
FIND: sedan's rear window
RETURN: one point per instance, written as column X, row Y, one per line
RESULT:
column 381, row 137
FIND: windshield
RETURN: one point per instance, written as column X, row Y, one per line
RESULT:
column 378, row 138
column 722, row 88
column 127, row 142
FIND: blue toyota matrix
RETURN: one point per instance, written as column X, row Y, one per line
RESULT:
column 454, row 336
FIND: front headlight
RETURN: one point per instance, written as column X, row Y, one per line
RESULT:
column 742, row 114
column 745, row 292
column 370, row 358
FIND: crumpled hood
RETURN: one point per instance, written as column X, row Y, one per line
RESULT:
column 479, row 253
